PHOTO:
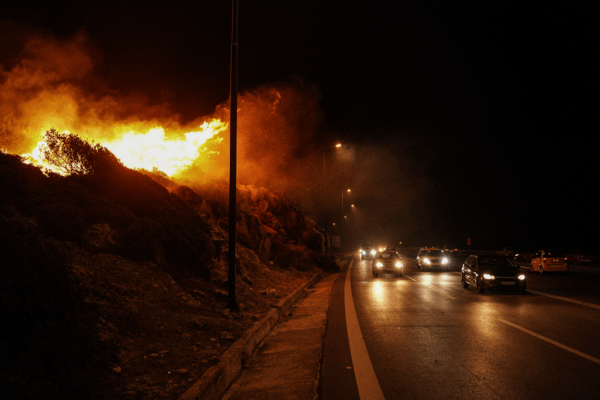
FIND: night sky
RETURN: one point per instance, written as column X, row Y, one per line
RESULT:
column 467, row 120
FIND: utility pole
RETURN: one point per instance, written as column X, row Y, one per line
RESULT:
column 325, row 206
column 232, row 304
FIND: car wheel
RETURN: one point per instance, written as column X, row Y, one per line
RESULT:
column 480, row 287
column 465, row 284
column 541, row 270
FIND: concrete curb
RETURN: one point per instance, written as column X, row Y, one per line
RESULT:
column 216, row 380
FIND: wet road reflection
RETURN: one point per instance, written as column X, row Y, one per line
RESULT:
column 429, row 337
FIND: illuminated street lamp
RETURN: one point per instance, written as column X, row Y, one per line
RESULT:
column 338, row 145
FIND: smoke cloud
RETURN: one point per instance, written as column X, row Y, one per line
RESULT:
column 282, row 141
column 52, row 86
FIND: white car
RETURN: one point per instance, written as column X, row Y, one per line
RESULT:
column 432, row 257
column 366, row 251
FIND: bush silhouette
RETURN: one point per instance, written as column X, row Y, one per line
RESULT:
column 72, row 155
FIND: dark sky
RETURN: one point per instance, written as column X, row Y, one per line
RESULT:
column 468, row 120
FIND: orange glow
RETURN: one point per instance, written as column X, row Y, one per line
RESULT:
column 152, row 150
column 53, row 86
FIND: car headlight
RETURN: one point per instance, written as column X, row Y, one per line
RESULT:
column 364, row 252
column 488, row 276
column 521, row 277
column 444, row 260
column 398, row 264
column 426, row 261
column 379, row 264
column 373, row 252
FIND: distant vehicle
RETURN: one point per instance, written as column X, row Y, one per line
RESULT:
column 432, row 257
column 367, row 251
column 581, row 256
column 387, row 261
column 549, row 261
column 508, row 251
column 525, row 255
column 492, row 272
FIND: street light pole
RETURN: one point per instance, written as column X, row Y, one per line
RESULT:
column 324, row 205
column 343, row 219
column 231, row 298
column 323, row 193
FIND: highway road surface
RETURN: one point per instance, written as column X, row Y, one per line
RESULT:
column 424, row 336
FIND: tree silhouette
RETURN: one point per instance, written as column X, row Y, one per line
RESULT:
column 74, row 156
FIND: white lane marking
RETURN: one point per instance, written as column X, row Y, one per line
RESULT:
column 412, row 279
column 368, row 385
column 583, row 303
column 562, row 346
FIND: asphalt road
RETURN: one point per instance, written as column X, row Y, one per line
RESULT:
column 426, row 337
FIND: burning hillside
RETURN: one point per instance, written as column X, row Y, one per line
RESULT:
column 118, row 260
column 124, row 265
column 52, row 86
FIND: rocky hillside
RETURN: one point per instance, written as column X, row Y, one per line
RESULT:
column 114, row 286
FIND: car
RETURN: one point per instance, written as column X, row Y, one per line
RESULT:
column 549, row 260
column 367, row 251
column 432, row 257
column 581, row 256
column 524, row 255
column 387, row 261
column 492, row 272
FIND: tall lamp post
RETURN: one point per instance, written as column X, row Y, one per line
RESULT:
column 324, row 191
column 343, row 219
column 232, row 304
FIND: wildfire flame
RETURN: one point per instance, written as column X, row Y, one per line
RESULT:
column 152, row 150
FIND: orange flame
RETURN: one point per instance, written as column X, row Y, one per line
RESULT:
column 152, row 150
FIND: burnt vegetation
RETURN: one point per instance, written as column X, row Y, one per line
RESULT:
column 53, row 345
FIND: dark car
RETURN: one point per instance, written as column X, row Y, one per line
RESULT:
column 387, row 261
column 580, row 256
column 524, row 255
column 492, row 272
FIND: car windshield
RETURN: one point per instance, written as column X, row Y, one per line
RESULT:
column 494, row 262
column 386, row 255
column 431, row 253
column 554, row 253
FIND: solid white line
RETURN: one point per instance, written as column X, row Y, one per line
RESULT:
column 583, row 303
column 412, row 279
column 368, row 385
column 562, row 346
